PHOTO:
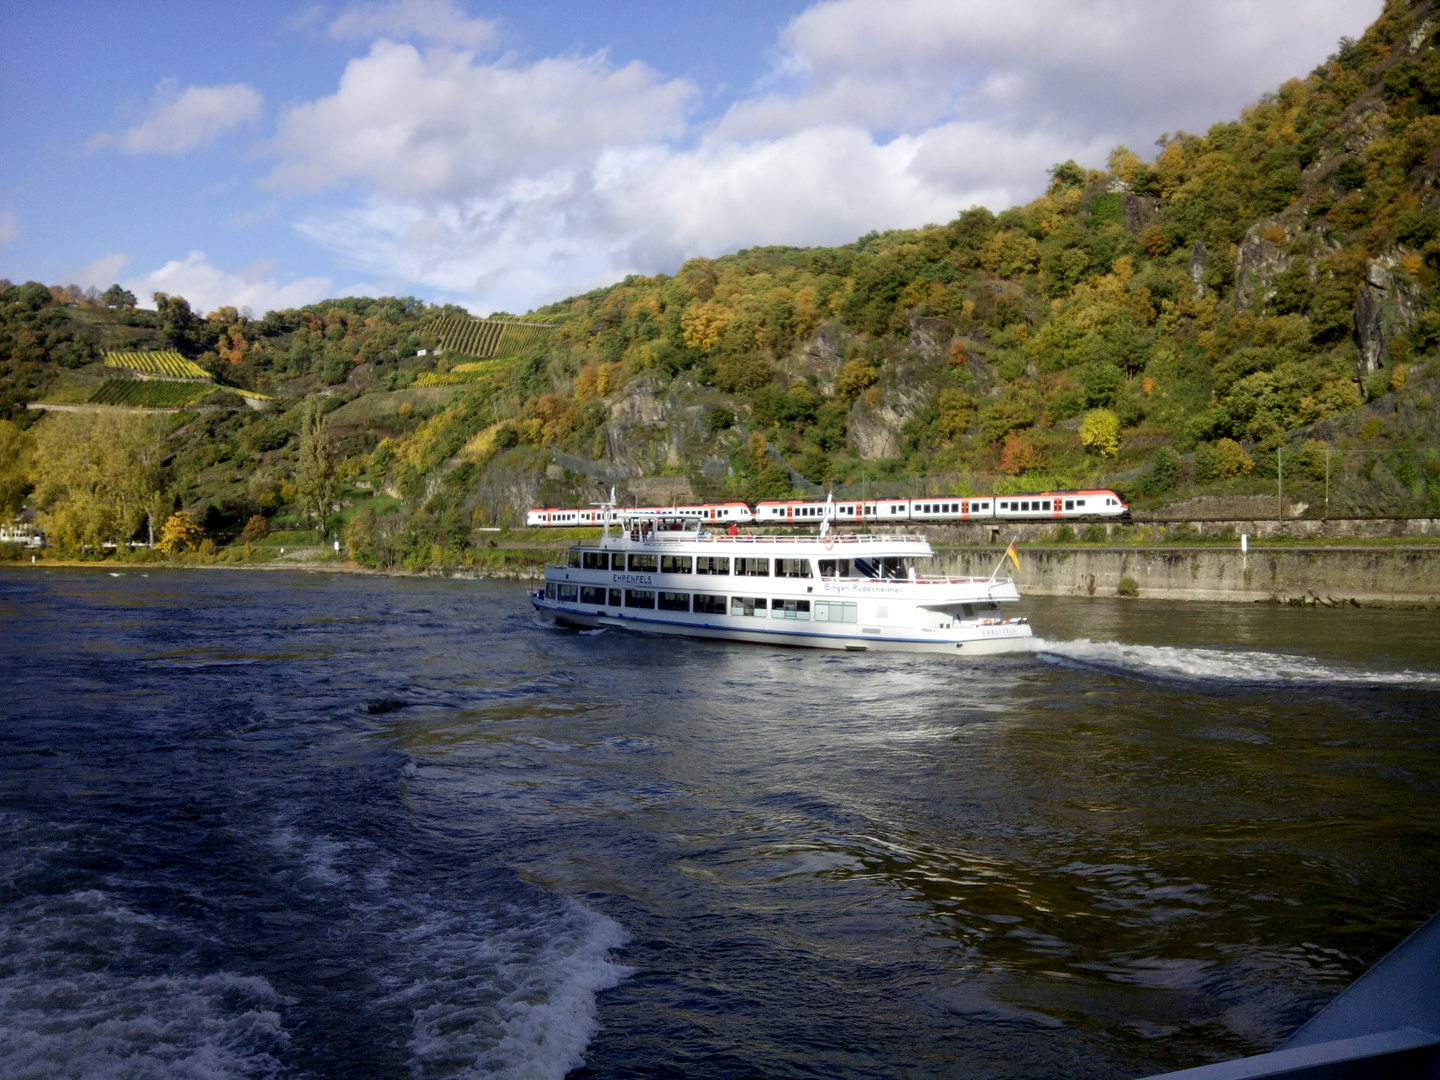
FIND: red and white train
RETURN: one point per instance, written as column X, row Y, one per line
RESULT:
column 1036, row 506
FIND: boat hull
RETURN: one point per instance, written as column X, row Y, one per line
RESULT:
column 966, row 640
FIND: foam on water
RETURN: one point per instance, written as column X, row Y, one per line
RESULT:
column 69, row 1007
column 1220, row 665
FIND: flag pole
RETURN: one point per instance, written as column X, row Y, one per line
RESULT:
column 1003, row 557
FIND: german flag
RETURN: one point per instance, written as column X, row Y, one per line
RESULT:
column 1013, row 555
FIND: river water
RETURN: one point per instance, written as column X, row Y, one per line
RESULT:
column 309, row 825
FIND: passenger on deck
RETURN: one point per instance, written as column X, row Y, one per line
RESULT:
column 734, row 529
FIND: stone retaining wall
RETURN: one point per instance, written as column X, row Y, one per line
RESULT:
column 1389, row 576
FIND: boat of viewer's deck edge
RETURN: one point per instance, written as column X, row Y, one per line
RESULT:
column 662, row 572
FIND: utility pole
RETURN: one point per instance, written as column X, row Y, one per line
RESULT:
column 1327, row 480
column 1280, row 481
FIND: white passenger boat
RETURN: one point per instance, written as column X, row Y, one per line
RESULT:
column 664, row 572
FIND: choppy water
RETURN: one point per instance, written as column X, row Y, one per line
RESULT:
column 276, row 825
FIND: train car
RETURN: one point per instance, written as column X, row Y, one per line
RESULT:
column 1034, row 506
column 1060, row 505
column 952, row 508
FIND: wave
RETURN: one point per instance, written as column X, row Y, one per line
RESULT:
column 1168, row 662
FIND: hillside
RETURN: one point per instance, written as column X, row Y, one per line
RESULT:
column 1169, row 327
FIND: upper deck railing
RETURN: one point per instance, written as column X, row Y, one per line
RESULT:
column 833, row 540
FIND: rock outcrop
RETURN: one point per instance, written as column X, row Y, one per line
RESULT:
column 1386, row 306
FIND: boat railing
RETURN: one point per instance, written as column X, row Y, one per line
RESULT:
column 832, row 541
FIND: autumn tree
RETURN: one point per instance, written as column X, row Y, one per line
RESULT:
column 100, row 477
column 315, row 480
column 180, row 533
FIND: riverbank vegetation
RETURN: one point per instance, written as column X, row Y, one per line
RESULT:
column 1248, row 308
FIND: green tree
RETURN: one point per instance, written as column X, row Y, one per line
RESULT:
column 315, row 480
column 16, row 447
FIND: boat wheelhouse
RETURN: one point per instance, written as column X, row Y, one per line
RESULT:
column 665, row 572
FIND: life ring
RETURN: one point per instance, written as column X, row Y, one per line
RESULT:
column 829, row 543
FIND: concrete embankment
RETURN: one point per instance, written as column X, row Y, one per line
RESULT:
column 1386, row 575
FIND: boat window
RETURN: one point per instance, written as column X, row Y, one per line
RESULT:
column 792, row 568
column 969, row 610
column 575, row 558
column 790, row 609
column 709, row 605
column 835, row 611
column 643, row 598
column 675, row 564
column 549, row 590
column 834, row 567
column 644, row 562
column 589, row 594
column 674, row 601
column 892, row 568
column 866, row 568
column 711, row 564
column 752, row 567
column 596, row 560
column 748, row 605
column 614, row 597
column 570, row 593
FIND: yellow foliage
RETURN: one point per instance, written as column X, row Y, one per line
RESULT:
column 1397, row 376
column 1100, row 432
column 180, row 533
column 854, row 377
column 1170, row 166
column 703, row 324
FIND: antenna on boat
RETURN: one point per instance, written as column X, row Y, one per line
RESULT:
column 607, row 510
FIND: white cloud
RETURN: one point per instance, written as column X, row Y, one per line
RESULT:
column 103, row 272
column 207, row 287
column 508, row 185
column 438, row 125
column 9, row 231
column 1127, row 67
column 180, row 120
column 429, row 20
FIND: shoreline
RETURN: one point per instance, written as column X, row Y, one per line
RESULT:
column 1379, row 575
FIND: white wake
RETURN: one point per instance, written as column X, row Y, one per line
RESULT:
column 1221, row 665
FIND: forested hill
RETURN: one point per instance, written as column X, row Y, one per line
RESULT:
column 1165, row 326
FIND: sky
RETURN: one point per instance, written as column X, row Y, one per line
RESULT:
column 506, row 155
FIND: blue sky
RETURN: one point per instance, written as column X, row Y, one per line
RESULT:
column 505, row 155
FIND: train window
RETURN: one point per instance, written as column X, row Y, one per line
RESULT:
column 674, row 601
column 675, row 564
column 644, row 562
column 752, row 567
column 709, row 605
column 792, row 568
column 596, row 560
column 711, row 564
column 1069, row 504
column 790, row 609
column 589, row 594
column 643, row 598
column 748, row 605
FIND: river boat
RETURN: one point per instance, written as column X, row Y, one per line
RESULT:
column 667, row 572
